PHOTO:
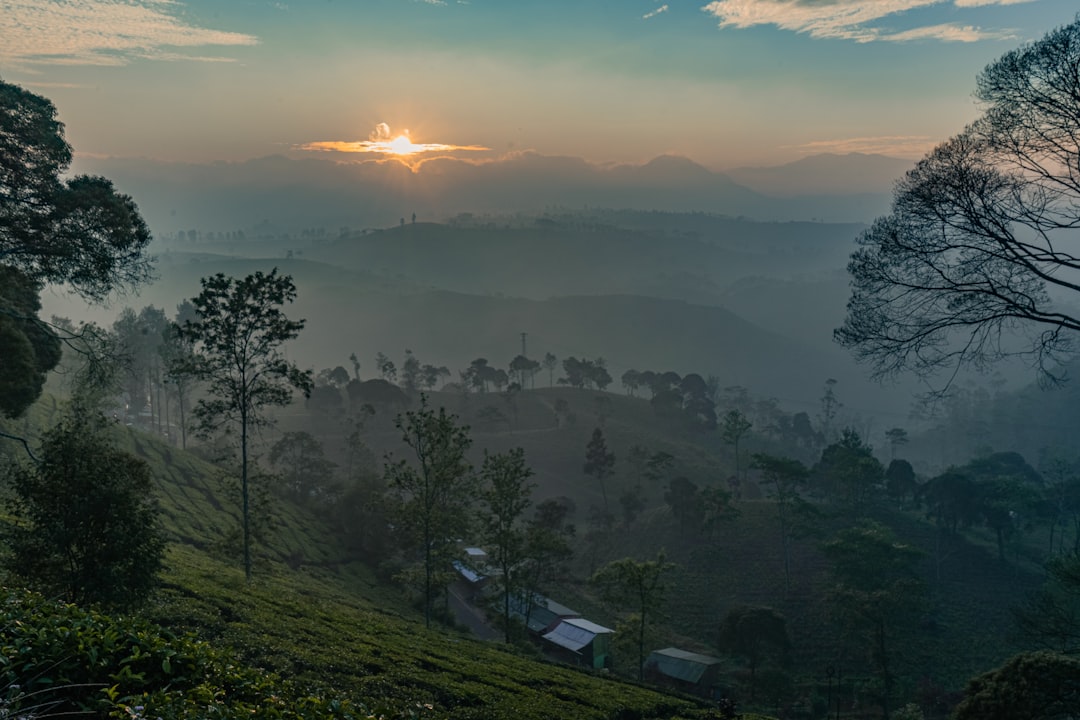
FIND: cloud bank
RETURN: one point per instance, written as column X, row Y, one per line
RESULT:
column 857, row 20
column 103, row 32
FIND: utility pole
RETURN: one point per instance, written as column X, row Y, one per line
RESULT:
column 523, row 353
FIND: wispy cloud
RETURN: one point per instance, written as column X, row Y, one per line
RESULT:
column 103, row 32
column 654, row 13
column 903, row 146
column 382, row 141
column 857, row 20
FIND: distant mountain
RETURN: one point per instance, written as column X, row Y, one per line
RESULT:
column 294, row 194
column 825, row 174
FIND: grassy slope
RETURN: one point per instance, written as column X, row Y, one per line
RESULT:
column 311, row 615
column 343, row 619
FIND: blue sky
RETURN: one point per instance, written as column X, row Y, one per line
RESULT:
column 727, row 83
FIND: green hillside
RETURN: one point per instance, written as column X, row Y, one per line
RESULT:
column 329, row 624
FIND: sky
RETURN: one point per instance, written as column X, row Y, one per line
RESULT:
column 726, row 83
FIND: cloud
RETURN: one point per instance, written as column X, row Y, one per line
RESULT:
column 103, row 32
column 382, row 141
column 903, row 146
column 983, row 3
column 846, row 19
column 654, row 13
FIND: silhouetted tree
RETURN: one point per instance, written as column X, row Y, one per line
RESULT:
column 505, row 496
column 976, row 246
column 435, row 493
column 755, row 634
column 639, row 586
column 783, row 479
column 876, row 592
column 599, row 463
column 237, row 339
column 78, row 231
column 86, row 525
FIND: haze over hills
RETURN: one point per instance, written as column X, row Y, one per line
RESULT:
column 825, row 174
column 291, row 194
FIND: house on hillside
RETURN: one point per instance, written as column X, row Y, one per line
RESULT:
column 580, row 641
column 541, row 615
column 472, row 569
column 686, row 671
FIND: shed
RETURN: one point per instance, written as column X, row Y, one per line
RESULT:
column 581, row 641
column 683, row 669
column 544, row 613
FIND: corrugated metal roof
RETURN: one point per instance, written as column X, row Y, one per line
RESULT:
column 544, row 611
column 467, row 573
column 589, row 626
column 575, row 633
column 680, row 664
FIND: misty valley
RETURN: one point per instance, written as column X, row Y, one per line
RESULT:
column 531, row 436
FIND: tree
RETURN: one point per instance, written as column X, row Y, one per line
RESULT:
column 973, row 262
column 434, row 494
column 306, row 473
column 900, row 480
column 897, row 437
column 875, row 591
column 850, row 471
column 784, row 478
column 1033, row 686
column 733, row 428
column 505, row 495
column 755, row 634
column 685, row 502
column 1051, row 617
column 550, row 362
column 176, row 356
column 637, row 585
column 236, row 340
column 599, row 463
column 77, row 231
column 547, row 549
column 1007, row 490
column 87, row 526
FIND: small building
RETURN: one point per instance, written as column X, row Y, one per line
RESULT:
column 581, row 641
column 687, row 671
column 543, row 614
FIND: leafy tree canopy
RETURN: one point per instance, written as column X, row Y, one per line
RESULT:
column 87, row 528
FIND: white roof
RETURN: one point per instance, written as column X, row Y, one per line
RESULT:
column 475, row 552
column 575, row 633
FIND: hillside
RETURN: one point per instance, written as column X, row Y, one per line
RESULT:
column 349, row 627
column 326, row 622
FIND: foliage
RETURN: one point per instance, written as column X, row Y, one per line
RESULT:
column 306, row 473
column 1051, row 618
column 237, row 341
column 599, row 463
column 783, row 479
column 60, row 659
column 505, row 495
column 975, row 250
column 87, row 527
column 77, row 231
column 875, row 592
column 732, row 429
column 850, row 472
column 755, row 634
column 639, row 586
column 1034, row 686
column 29, row 348
column 434, row 496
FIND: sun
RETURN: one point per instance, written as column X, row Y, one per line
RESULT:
column 402, row 145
